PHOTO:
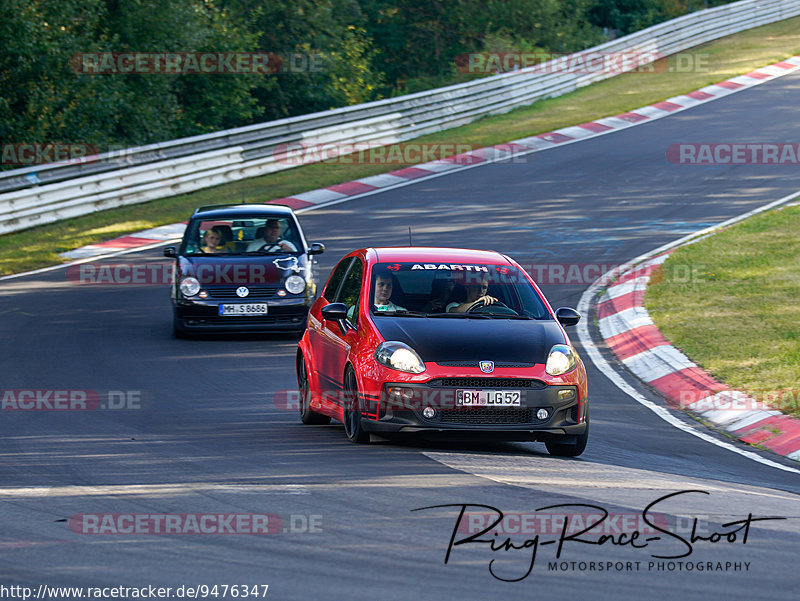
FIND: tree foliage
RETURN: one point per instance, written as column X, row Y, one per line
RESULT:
column 335, row 53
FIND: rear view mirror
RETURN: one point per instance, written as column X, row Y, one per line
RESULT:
column 316, row 248
column 170, row 252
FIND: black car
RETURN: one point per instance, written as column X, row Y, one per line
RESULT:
column 242, row 268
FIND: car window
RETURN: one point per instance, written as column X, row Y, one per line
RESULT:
column 336, row 278
column 242, row 234
column 437, row 288
column 350, row 291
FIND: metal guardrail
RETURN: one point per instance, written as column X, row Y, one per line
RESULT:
column 51, row 192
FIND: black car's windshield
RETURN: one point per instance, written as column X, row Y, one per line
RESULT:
column 452, row 291
column 241, row 236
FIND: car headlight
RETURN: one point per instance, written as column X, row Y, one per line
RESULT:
column 561, row 360
column 399, row 356
column 295, row 284
column 190, row 286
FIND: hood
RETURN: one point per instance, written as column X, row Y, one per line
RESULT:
column 241, row 269
column 440, row 339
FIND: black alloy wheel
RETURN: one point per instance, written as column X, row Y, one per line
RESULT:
column 352, row 410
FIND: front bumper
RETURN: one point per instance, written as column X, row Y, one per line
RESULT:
column 202, row 315
column 403, row 413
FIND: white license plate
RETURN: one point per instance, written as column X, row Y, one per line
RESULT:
column 488, row 398
column 243, row 309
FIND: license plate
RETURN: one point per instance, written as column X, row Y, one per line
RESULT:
column 488, row 398
column 243, row 309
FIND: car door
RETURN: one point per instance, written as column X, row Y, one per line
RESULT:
column 336, row 340
column 320, row 337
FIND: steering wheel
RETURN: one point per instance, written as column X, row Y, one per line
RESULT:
column 482, row 307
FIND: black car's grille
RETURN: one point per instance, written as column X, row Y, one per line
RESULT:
column 209, row 321
column 477, row 364
column 224, row 292
column 488, row 383
column 489, row 415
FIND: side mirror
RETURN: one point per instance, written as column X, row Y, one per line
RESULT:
column 316, row 248
column 170, row 252
column 567, row 316
column 337, row 312
column 334, row 312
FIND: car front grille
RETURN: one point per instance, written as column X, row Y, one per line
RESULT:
column 476, row 364
column 488, row 416
column 488, row 383
column 226, row 292
column 245, row 320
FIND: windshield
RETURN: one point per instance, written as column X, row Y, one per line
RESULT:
column 242, row 235
column 454, row 291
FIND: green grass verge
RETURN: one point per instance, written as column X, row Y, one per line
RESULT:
column 716, row 61
column 730, row 302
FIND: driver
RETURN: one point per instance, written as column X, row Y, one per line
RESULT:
column 272, row 241
column 476, row 293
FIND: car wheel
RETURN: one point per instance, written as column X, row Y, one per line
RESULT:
column 569, row 449
column 352, row 410
column 307, row 415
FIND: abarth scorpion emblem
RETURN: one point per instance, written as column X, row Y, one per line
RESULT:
column 487, row 367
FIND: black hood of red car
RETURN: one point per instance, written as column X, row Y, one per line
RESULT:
column 439, row 339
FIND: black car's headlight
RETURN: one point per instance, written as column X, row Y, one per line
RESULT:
column 562, row 359
column 295, row 284
column 399, row 356
column 189, row 286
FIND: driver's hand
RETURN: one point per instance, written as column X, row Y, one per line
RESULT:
column 487, row 300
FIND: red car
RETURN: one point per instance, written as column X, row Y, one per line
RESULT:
column 442, row 341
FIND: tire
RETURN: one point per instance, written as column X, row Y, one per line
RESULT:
column 353, row 428
column 307, row 415
column 569, row 449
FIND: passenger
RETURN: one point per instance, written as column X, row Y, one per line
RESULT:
column 441, row 291
column 272, row 241
column 384, row 283
column 212, row 241
column 475, row 293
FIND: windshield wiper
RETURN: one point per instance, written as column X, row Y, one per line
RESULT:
column 400, row 313
column 460, row 315
column 509, row 316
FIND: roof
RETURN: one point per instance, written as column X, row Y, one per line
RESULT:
column 260, row 210
column 437, row 254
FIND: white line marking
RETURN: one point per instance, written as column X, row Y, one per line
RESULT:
column 657, row 362
column 319, row 196
column 751, row 419
column 435, row 166
column 619, row 290
column 382, row 180
column 652, row 112
column 624, row 321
